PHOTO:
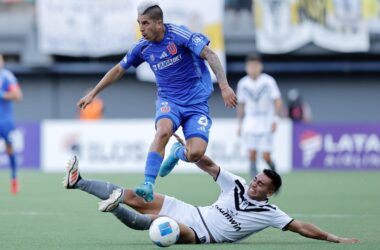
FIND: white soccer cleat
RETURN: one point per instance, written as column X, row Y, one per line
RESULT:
column 72, row 173
column 112, row 202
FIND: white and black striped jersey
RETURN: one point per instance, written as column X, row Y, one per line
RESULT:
column 235, row 216
column 258, row 98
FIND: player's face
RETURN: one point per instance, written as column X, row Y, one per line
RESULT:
column 254, row 68
column 260, row 187
column 151, row 30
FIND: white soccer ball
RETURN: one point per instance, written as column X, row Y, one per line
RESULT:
column 164, row 231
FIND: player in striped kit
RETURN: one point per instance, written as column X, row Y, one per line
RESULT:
column 259, row 106
column 177, row 57
column 240, row 210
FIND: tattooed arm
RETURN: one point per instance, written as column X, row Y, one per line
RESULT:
column 228, row 94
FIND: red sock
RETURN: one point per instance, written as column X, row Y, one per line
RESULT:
column 14, row 186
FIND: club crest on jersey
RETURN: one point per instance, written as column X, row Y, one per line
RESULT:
column 151, row 57
column 165, row 108
column 172, row 48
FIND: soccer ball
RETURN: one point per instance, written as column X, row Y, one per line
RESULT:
column 164, row 231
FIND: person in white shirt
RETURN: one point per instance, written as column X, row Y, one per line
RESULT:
column 240, row 210
column 259, row 106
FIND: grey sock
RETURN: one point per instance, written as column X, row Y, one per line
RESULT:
column 252, row 169
column 272, row 165
column 100, row 189
column 132, row 219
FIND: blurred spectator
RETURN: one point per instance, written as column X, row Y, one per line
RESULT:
column 93, row 111
column 10, row 91
column 298, row 110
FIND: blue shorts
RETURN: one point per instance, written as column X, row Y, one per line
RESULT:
column 194, row 119
column 5, row 131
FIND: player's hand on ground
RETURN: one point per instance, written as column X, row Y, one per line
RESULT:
column 347, row 240
column 229, row 97
column 87, row 99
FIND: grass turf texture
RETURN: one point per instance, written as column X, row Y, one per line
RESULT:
column 46, row 216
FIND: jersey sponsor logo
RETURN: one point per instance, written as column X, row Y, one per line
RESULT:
column 167, row 63
column 163, row 55
column 241, row 203
column 165, row 108
column 172, row 48
column 229, row 215
column 197, row 39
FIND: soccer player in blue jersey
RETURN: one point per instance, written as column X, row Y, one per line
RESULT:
column 9, row 91
column 177, row 57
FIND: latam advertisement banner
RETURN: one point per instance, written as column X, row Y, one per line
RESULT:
column 336, row 147
column 26, row 143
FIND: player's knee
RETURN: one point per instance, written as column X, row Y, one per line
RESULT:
column 194, row 156
column 163, row 134
column 267, row 158
column 129, row 195
column 132, row 200
column 9, row 149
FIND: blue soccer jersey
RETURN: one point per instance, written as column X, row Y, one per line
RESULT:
column 181, row 74
column 8, row 82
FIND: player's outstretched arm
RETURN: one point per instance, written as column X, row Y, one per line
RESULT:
column 209, row 166
column 111, row 76
column 312, row 231
column 228, row 94
column 205, row 163
column 240, row 116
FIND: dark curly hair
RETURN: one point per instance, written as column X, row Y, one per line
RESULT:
column 276, row 178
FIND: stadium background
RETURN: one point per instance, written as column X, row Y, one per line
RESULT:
column 342, row 89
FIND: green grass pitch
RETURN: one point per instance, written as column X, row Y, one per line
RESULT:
column 46, row 216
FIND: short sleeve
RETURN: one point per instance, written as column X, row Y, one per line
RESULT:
column 280, row 220
column 11, row 82
column 226, row 180
column 133, row 57
column 240, row 92
column 274, row 90
column 195, row 42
